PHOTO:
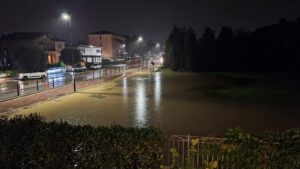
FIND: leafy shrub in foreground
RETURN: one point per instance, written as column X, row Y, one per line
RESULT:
column 30, row 142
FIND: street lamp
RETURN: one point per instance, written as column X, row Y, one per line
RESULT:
column 67, row 17
column 140, row 40
column 157, row 45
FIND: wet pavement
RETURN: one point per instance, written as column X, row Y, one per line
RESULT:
column 175, row 102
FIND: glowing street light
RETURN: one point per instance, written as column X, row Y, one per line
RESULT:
column 157, row 45
column 65, row 16
column 140, row 39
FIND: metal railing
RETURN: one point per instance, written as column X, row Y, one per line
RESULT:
column 33, row 86
column 194, row 152
column 196, row 157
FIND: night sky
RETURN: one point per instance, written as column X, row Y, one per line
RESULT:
column 151, row 18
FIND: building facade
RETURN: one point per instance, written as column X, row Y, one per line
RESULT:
column 112, row 44
column 43, row 40
column 90, row 54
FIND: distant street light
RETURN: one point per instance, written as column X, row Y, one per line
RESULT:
column 157, row 45
column 67, row 17
column 140, row 39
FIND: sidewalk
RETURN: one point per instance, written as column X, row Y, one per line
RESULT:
column 48, row 94
column 8, row 79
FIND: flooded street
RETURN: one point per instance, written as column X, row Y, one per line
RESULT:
column 175, row 102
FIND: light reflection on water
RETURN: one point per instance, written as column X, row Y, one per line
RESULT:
column 124, row 90
column 147, row 99
column 175, row 102
column 157, row 91
column 140, row 102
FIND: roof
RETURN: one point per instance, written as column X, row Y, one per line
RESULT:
column 28, row 36
column 57, row 39
column 105, row 33
column 87, row 46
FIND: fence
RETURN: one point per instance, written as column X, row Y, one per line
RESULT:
column 193, row 154
column 249, row 152
column 22, row 88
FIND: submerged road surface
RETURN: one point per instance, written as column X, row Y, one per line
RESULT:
column 175, row 102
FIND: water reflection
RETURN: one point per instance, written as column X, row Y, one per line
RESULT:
column 21, row 86
column 157, row 91
column 125, row 90
column 140, row 103
column 57, row 79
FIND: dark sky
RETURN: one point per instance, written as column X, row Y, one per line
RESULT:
column 151, row 18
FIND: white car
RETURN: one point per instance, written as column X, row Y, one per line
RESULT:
column 79, row 69
column 34, row 75
column 96, row 66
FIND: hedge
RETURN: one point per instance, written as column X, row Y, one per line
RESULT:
column 31, row 142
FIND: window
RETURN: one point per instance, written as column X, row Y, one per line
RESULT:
column 89, row 59
column 100, row 37
column 59, row 46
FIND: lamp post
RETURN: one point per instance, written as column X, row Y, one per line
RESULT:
column 67, row 17
column 140, row 40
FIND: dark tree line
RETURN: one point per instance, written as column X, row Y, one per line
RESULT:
column 271, row 48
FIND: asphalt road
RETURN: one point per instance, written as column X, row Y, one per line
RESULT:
column 14, row 87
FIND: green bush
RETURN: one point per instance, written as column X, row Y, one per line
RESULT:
column 274, row 150
column 30, row 142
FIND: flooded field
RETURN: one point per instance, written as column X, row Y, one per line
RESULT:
column 179, row 103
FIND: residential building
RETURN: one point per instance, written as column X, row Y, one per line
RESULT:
column 112, row 44
column 4, row 62
column 47, row 42
column 90, row 54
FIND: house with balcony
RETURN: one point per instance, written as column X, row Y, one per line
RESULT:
column 51, row 45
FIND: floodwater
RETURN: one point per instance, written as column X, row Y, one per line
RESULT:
column 175, row 102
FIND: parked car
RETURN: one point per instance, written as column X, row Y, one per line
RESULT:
column 79, row 69
column 33, row 75
column 55, row 70
column 96, row 66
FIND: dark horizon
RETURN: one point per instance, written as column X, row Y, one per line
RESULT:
column 151, row 19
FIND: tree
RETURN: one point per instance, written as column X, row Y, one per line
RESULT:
column 170, row 58
column 67, row 58
column 225, row 48
column 30, row 59
column 206, row 50
column 175, row 48
column 190, row 50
